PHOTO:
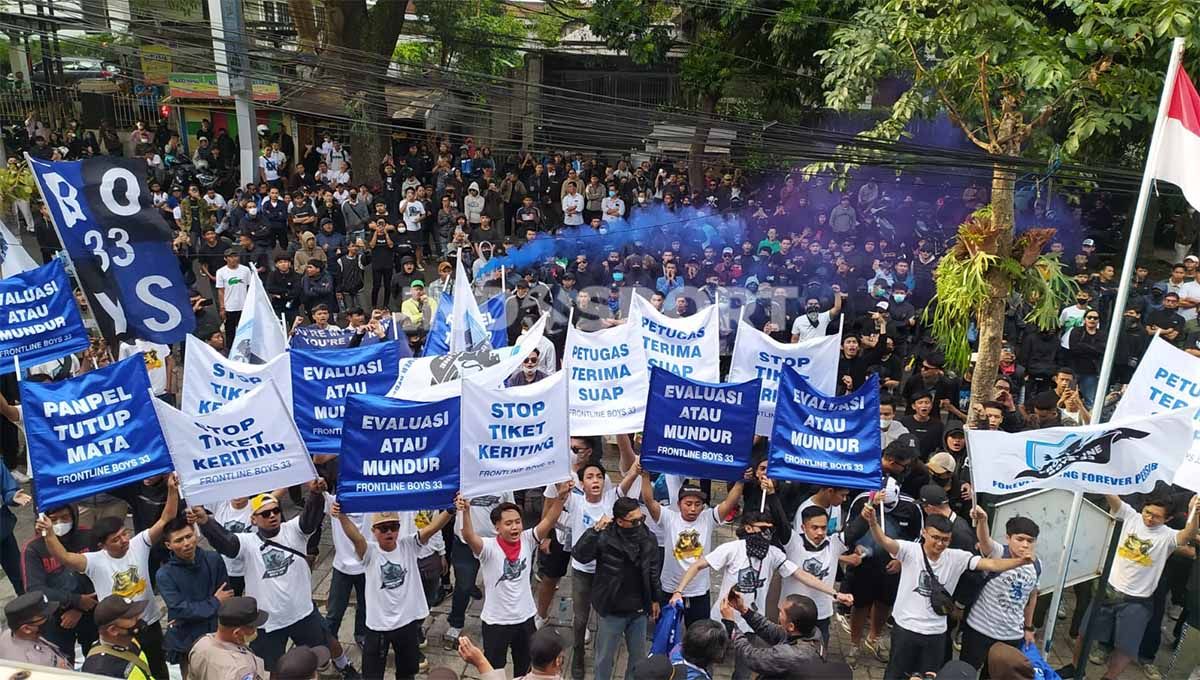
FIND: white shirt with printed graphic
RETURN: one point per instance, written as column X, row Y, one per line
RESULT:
column 279, row 579
column 507, row 597
column 127, row 576
column 685, row 542
column 822, row 563
column 752, row 578
column 394, row 585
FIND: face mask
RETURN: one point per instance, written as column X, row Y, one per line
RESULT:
column 812, row 309
column 252, row 212
column 603, row 230
column 1081, row 301
column 642, row 200
column 250, row 638
column 884, row 423
column 898, row 297
column 612, row 193
column 63, row 528
column 757, row 545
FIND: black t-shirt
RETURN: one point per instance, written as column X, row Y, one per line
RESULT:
column 928, row 433
column 213, row 256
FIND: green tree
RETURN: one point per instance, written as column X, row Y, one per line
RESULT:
column 1017, row 76
column 474, row 36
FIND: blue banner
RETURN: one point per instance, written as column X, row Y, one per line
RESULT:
column 120, row 246
column 321, row 381
column 697, row 429
column 311, row 337
column 92, row 433
column 830, row 441
column 39, row 320
column 437, row 340
column 398, row 455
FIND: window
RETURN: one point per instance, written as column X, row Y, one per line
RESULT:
column 276, row 12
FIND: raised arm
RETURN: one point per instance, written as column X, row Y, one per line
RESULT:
column 472, row 539
column 629, row 477
column 891, row 545
column 12, row 413
column 170, row 510
column 687, row 577
column 218, row 536
column 731, row 499
column 1114, row 503
column 1188, row 532
column 625, row 448
column 435, row 525
column 979, row 516
column 352, row 532
column 314, row 508
column 73, row 561
column 552, row 511
column 653, row 507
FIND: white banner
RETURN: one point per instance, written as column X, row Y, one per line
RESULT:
column 1120, row 457
column 260, row 337
column 440, row 377
column 211, row 381
column 1166, row 378
column 689, row 347
column 610, row 380
column 248, row 447
column 14, row 259
column 513, row 438
column 757, row 355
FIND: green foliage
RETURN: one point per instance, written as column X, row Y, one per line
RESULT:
column 475, row 36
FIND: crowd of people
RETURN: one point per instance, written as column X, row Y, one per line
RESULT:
column 574, row 235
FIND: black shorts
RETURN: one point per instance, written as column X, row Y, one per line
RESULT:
column 871, row 583
column 554, row 563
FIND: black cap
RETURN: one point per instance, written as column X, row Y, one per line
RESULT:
column 241, row 611
column 116, row 607
column 300, row 663
column 692, row 491
column 25, row 608
column 932, row 494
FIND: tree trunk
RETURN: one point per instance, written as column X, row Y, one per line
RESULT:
column 991, row 319
column 708, row 107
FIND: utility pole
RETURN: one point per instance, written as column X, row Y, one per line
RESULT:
column 231, row 52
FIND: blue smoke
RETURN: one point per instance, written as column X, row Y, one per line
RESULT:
column 648, row 231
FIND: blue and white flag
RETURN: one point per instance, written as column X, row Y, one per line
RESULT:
column 321, row 381
column 119, row 245
column 398, row 455
column 437, row 340
column 514, row 437
column 93, row 433
column 758, row 355
column 14, row 259
column 259, row 337
column 696, row 429
column 825, row 440
column 39, row 320
column 468, row 329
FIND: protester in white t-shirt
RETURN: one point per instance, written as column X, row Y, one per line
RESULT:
column 814, row 323
column 1121, row 613
column 465, row 564
column 687, row 533
column 122, row 567
column 919, row 634
column 233, row 285
column 817, row 550
column 159, row 364
column 506, row 562
column 1003, row 610
column 393, row 588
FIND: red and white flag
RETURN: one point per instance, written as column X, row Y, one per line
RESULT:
column 1179, row 156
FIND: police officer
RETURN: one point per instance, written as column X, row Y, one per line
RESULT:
column 225, row 653
column 118, row 654
column 23, row 641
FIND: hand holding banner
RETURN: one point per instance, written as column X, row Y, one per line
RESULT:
column 92, row 433
column 696, row 429
column 39, row 320
column 827, row 440
column 398, row 455
column 514, row 437
column 251, row 445
column 321, row 381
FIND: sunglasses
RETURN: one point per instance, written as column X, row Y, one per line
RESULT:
column 388, row 528
column 1091, row 318
column 269, row 512
column 633, row 522
column 580, row 449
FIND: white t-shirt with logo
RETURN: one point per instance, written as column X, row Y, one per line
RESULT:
column 507, row 597
column 127, row 576
column 1141, row 554
column 413, row 212
column 271, row 164
column 236, row 284
column 279, row 579
column 822, row 563
column 752, row 578
column 235, row 521
column 912, row 610
column 581, row 515
column 804, row 330
column 345, row 559
column 155, row 355
column 685, row 542
column 394, row 589
column 999, row 611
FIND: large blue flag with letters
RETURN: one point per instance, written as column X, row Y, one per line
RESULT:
column 39, row 320
column 398, row 455
column 697, row 429
column 322, row 380
column 120, row 247
column 92, row 433
column 826, row 440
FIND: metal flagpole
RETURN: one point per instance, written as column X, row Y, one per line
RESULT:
column 1114, row 325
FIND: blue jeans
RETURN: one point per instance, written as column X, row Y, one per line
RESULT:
column 609, row 632
column 466, row 568
column 1087, row 388
column 339, row 598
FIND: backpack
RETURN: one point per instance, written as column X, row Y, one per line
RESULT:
column 971, row 584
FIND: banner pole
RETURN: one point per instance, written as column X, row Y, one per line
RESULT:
column 58, row 233
column 395, row 328
column 1114, row 326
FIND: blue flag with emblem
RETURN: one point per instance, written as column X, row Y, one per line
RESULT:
column 39, row 320
column 120, row 246
column 826, row 440
column 437, row 341
column 322, row 380
column 698, row 429
column 93, row 433
column 398, row 455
